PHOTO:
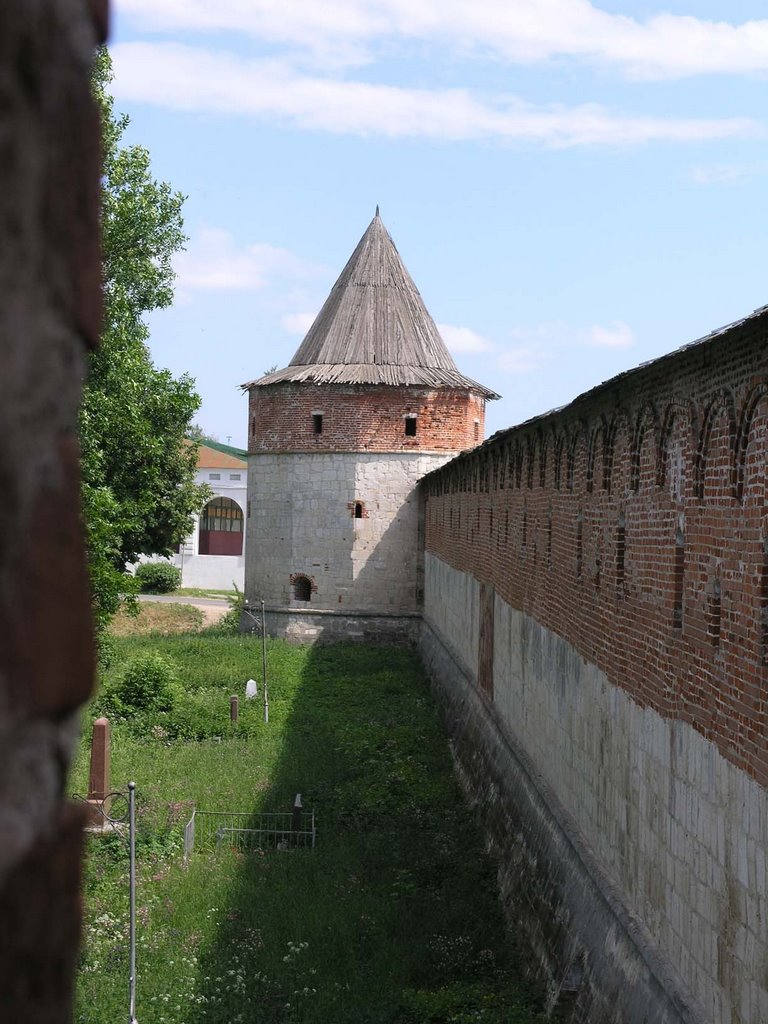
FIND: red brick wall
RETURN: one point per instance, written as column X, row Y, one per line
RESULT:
column 362, row 418
column 50, row 281
column 573, row 519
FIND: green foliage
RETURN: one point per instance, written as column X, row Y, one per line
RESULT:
column 462, row 1003
column 196, row 433
column 229, row 624
column 146, row 686
column 138, row 472
column 105, row 650
column 158, row 577
column 392, row 919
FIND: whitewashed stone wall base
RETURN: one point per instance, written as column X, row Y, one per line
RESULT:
column 680, row 831
column 329, row 627
column 301, row 523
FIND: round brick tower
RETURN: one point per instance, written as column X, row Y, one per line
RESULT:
column 337, row 441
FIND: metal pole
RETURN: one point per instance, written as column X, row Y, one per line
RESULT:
column 132, row 891
column 264, row 660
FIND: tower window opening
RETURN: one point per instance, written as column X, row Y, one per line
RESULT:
column 302, row 588
column 579, row 544
column 317, row 422
column 358, row 510
column 476, row 430
column 410, row 426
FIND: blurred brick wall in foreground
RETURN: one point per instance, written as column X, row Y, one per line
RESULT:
column 50, row 307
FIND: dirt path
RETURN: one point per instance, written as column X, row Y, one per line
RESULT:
column 213, row 609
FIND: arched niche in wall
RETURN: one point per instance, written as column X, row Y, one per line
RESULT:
column 646, row 455
column 750, row 461
column 715, row 457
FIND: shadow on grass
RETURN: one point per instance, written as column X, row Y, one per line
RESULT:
column 393, row 917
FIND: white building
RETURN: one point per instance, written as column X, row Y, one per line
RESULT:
column 213, row 555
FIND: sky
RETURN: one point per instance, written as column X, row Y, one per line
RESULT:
column 575, row 187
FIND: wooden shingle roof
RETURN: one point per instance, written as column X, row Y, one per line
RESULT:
column 374, row 329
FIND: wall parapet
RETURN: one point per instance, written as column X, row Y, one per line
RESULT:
column 633, row 522
column 602, row 572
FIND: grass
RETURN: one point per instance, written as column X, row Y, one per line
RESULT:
column 392, row 919
column 155, row 617
column 204, row 592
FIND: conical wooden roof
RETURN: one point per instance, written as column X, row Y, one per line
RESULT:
column 374, row 328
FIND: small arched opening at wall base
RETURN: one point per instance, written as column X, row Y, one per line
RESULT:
column 221, row 528
column 302, row 588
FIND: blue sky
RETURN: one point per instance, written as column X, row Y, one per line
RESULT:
column 575, row 187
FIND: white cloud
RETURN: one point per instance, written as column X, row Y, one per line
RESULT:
column 544, row 341
column 727, row 174
column 214, row 262
column 522, row 31
column 297, row 323
column 463, row 339
column 520, row 360
column 184, row 78
column 616, row 335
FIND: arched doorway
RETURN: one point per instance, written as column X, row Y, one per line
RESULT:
column 221, row 528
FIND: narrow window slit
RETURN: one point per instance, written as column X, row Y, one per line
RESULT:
column 713, row 625
column 621, row 547
column 678, row 580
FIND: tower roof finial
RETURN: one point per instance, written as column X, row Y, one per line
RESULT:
column 377, row 209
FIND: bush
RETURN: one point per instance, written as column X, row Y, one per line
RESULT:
column 229, row 624
column 158, row 577
column 146, row 686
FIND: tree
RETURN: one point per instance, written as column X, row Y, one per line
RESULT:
column 196, row 433
column 138, row 472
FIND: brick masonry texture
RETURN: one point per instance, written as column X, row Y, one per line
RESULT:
column 618, row 551
column 362, row 418
column 50, row 275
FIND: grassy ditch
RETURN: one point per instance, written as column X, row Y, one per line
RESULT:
column 392, row 918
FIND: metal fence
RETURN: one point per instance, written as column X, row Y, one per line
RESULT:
column 244, row 830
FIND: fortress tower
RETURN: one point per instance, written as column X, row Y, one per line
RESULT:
column 337, row 442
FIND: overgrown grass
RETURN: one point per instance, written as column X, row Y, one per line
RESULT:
column 392, row 918
column 204, row 592
column 157, row 617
